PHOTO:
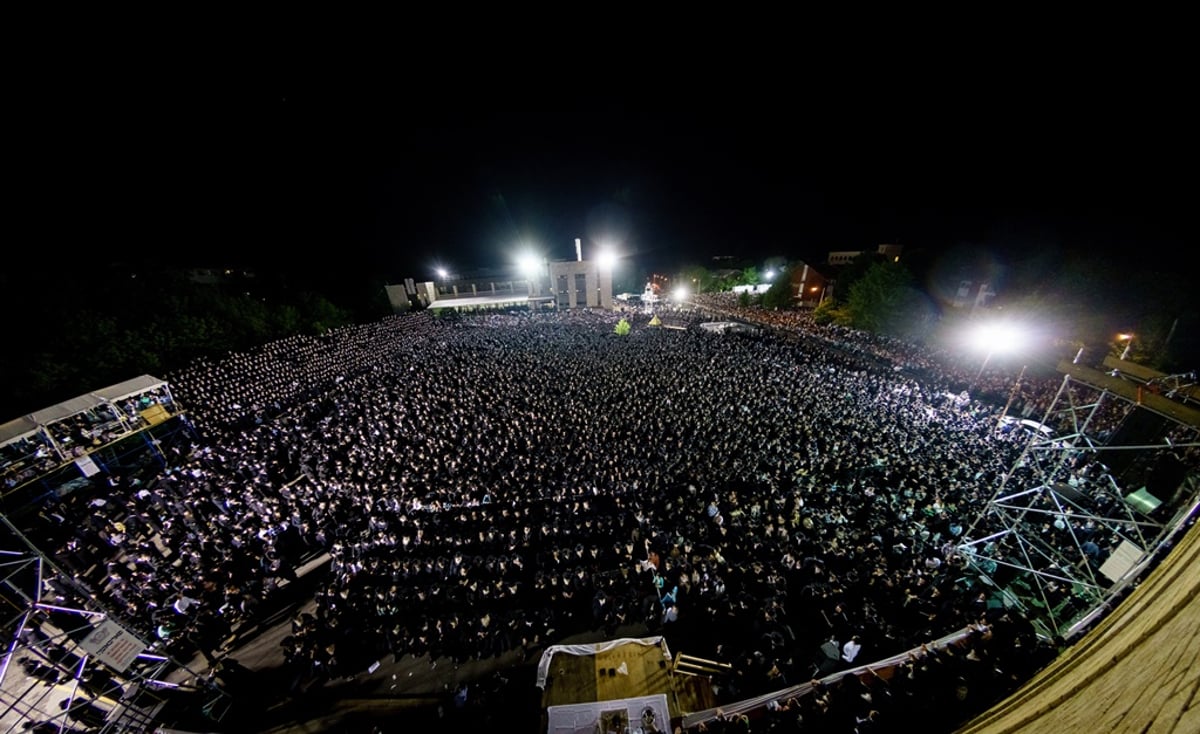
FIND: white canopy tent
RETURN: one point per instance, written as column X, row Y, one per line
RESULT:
column 17, row 429
column 39, row 422
column 26, row 425
column 129, row 388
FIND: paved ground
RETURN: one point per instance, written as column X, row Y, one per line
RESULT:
column 266, row 697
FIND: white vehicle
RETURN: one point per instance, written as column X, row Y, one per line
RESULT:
column 1030, row 425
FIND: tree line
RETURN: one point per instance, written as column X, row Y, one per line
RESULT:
column 1070, row 302
column 89, row 330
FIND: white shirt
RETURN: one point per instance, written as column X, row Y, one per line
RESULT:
column 850, row 651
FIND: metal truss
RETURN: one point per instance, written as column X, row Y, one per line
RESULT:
column 46, row 674
column 1060, row 537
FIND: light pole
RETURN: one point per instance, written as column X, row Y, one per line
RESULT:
column 1012, row 395
column 535, row 267
column 994, row 337
column 983, row 366
column 1128, row 339
column 606, row 261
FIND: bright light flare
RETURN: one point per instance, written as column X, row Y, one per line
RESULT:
column 530, row 264
column 442, row 273
column 607, row 258
column 998, row 338
column 770, row 275
column 680, row 293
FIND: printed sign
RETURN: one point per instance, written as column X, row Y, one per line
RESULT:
column 113, row 645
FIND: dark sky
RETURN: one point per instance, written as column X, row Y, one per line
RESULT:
column 672, row 163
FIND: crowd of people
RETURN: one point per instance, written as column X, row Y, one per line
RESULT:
column 935, row 688
column 499, row 482
column 48, row 445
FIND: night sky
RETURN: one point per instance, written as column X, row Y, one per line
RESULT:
column 396, row 176
column 350, row 176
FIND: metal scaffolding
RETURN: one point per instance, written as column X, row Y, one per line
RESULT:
column 69, row 663
column 1067, row 532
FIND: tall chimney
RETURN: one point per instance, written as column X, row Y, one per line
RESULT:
column 578, row 250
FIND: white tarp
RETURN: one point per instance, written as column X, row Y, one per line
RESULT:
column 67, row 408
column 129, row 388
column 17, row 429
column 1124, row 559
column 637, row 715
column 543, row 669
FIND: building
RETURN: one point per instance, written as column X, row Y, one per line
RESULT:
column 551, row 284
column 845, row 257
column 812, row 287
column 581, row 284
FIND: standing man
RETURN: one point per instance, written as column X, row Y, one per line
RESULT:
column 851, row 648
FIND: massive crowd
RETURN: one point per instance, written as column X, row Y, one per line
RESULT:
column 489, row 483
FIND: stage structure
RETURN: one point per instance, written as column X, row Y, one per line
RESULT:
column 627, row 684
column 69, row 663
column 80, row 434
column 1105, row 478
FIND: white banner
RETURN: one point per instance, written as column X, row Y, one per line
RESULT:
column 87, row 466
column 113, row 645
column 639, row 715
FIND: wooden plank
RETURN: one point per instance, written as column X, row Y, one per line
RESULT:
column 1132, row 392
column 1137, row 671
column 587, row 678
column 1145, row 374
column 1133, row 369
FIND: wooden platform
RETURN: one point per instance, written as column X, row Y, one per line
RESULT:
column 1138, row 671
column 574, row 678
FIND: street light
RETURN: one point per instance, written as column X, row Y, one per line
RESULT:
column 1128, row 339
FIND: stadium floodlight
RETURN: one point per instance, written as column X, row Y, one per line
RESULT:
column 607, row 258
column 442, row 273
column 530, row 264
column 997, row 337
